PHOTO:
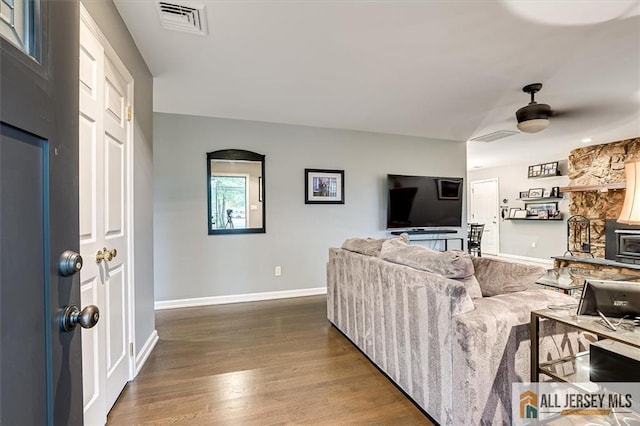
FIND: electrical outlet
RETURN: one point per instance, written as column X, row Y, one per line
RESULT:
column 533, row 244
column 278, row 271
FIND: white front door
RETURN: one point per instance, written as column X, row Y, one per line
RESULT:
column 484, row 209
column 104, row 241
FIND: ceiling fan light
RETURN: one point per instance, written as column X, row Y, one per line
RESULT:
column 533, row 126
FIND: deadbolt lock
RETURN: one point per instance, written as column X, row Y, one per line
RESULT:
column 70, row 263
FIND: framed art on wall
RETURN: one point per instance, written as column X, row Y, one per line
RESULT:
column 520, row 214
column 323, row 186
column 536, row 192
column 533, row 209
column 512, row 212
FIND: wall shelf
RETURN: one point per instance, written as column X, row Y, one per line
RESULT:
column 532, row 219
column 545, row 176
column 541, row 199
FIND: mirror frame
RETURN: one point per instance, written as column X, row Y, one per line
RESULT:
column 235, row 154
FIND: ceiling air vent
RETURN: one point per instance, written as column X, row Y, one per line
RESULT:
column 186, row 17
column 494, row 136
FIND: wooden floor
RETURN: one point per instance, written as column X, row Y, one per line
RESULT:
column 262, row 363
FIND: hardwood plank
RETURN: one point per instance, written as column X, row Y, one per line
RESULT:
column 262, row 363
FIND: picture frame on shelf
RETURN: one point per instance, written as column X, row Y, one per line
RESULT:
column 543, row 170
column 550, row 169
column 535, row 171
column 524, row 194
column 555, row 191
column 520, row 214
column 533, row 209
column 536, row 192
column 546, row 193
column 323, row 186
column 512, row 212
column 543, row 214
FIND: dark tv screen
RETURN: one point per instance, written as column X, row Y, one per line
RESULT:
column 423, row 201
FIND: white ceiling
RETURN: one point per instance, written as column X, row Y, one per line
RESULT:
column 439, row 69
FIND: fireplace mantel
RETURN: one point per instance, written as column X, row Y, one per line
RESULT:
column 596, row 263
column 602, row 187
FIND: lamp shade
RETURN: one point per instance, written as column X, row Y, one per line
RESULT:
column 533, row 126
column 630, row 213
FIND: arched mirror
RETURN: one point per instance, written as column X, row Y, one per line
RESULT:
column 235, row 190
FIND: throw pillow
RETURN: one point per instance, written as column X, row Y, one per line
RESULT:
column 371, row 246
column 500, row 276
column 472, row 286
column 450, row 264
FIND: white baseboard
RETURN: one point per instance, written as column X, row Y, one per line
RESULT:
column 146, row 350
column 238, row 298
column 525, row 259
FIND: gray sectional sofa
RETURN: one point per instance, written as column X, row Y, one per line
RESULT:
column 410, row 310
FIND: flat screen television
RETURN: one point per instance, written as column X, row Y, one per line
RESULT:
column 423, row 201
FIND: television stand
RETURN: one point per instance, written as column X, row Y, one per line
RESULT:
column 433, row 235
column 424, row 231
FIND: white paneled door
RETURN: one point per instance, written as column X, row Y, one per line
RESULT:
column 105, row 102
column 484, row 209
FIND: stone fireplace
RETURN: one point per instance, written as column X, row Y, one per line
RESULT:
column 596, row 185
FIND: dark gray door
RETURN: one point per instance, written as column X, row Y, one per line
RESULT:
column 40, row 366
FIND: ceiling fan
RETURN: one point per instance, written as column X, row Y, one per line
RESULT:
column 534, row 117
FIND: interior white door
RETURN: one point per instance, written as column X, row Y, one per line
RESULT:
column 104, row 136
column 484, row 209
column 91, row 203
column 114, row 271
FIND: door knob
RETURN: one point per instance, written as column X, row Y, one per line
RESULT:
column 70, row 263
column 106, row 254
column 73, row 316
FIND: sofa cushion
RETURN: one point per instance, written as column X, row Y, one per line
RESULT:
column 472, row 285
column 371, row 246
column 454, row 264
column 500, row 276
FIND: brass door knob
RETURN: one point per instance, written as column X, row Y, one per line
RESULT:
column 106, row 254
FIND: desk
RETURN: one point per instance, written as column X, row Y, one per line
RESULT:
column 575, row 364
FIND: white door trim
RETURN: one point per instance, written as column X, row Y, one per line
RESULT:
column 497, row 204
column 110, row 53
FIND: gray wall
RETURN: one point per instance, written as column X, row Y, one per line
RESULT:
column 517, row 236
column 110, row 23
column 190, row 264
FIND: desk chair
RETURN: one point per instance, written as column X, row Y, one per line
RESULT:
column 474, row 238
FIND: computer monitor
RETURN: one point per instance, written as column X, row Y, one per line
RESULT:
column 612, row 298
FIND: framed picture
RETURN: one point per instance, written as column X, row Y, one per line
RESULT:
column 524, row 194
column 543, row 214
column 536, row 192
column 533, row 209
column 555, row 191
column 323, row 186
column 550, row 169
column 520, row 214
column 512, row 212
column 535, row 171
column 546, row 193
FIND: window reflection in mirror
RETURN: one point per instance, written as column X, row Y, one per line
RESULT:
column 235, row 183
